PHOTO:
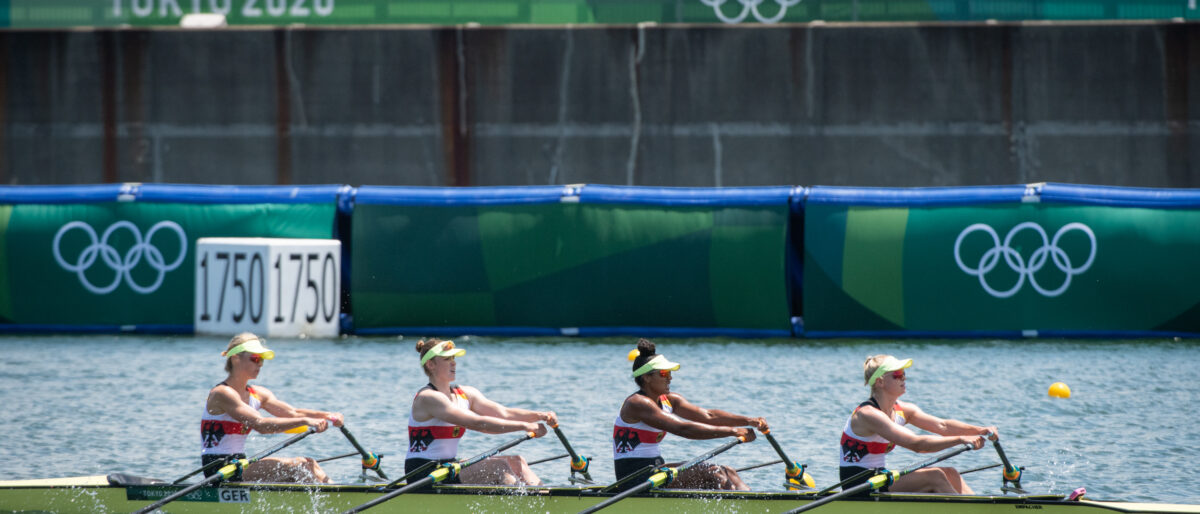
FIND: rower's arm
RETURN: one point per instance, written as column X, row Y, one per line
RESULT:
column 280, row 408
column 435, row 405
column 946, row 427
column 690, row 411
column 869, row 420
column 484, row 406
column 640, row 408
column 225, row 400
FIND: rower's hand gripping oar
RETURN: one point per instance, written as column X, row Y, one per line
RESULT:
column 664, row 476
column 579, row 463
column 883, row 479
column 370, row 460
column 442, row 473
column 225, row 472
column 794, row 474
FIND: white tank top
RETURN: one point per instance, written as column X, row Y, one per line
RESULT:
column 435, row 439
column 223, row 435
column 868, row 452
column 639, row 440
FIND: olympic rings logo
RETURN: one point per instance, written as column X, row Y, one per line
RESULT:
column 1017, row 263
column 750, row 7
column 123, row 265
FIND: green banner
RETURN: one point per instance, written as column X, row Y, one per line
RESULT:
column 569, row 265
column 125, row 263
column 112, row 13
column 1002, row 267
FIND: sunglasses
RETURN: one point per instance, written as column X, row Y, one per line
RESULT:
column 256, row 358
column 898, row 374
column 665, row 373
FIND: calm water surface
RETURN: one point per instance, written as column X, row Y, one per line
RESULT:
column 99, row 404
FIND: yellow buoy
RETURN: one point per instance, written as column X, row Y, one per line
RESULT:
column 1059, row 390
column 633, row 354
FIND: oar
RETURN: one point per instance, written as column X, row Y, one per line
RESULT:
column 370, row 460
column 854, row 478
column 548, row 459
column 980, row 468
column 662, row 477
column 579, row 464
column 795, row 470
column 210, row 465
column 336, row 457
column 881, row 480
column 1011, row 472
column 756, row 466
column 447, row 470
column 225, row 472
column 421, row 470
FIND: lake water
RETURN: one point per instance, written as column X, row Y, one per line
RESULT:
column 82, row 405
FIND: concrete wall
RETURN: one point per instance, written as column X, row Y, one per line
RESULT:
column 874, row 105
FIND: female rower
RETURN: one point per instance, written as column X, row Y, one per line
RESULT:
column 441, row 413
column 877, row 425
column 653, row 410
column 231, row 412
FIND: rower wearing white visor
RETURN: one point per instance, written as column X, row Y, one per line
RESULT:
column 877, row 425
column 653, row 410
column 442, row 412
column 231, row 412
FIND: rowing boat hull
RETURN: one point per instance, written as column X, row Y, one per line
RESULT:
column 95, row 494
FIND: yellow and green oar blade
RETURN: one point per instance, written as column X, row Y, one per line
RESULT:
column 662, row 477
column 443, row 472
column 224, row 473
column 881, row 480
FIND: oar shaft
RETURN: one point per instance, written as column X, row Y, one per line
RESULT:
column 879, row 480
column 206, row 467
column 415, row 485
column 365, row 454
column 775, row 444
column 222, row 475
column 180, row 494
column 817, row 503
column 624, row 494
column 440, row 474
column 548, row 459
column 336, row 457
column 1000, row 452
column 854, row 478
column 424, row 469
column 980, row 468
column 756, row 466
column 660, row 478
column 571, row 451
